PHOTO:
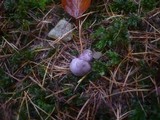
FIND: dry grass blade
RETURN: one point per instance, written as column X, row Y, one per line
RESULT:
column 80, row 112
column 38, row 108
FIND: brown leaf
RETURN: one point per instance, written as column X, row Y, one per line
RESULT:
column 76, row 7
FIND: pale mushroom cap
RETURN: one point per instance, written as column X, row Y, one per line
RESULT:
column 86, row 55
column 79, row 67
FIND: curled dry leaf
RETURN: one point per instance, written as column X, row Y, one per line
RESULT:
column 76, row 7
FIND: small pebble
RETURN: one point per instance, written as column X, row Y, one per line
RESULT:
column 61, row 29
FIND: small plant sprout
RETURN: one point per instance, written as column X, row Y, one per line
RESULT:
column 81, row 65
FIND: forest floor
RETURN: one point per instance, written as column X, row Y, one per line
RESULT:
column 35, row 80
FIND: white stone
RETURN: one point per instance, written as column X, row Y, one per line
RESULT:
column 63, row 27
column 97, row 55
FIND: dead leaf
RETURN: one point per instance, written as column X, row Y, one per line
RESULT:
column 76, row 7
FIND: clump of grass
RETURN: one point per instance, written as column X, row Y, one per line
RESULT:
column 6, row 81
column 21, row 57
column 102, row 67
column 20, row 8
column 124, row 6
column 116, row 35
column 145, row 110
column 148, row 5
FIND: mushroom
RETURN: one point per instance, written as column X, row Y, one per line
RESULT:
column 86, row 55
column 80, row 66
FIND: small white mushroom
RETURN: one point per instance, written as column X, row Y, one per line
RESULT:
column 81, row 66
column 86, row 55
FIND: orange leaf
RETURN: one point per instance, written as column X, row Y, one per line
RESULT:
column 76, row 7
